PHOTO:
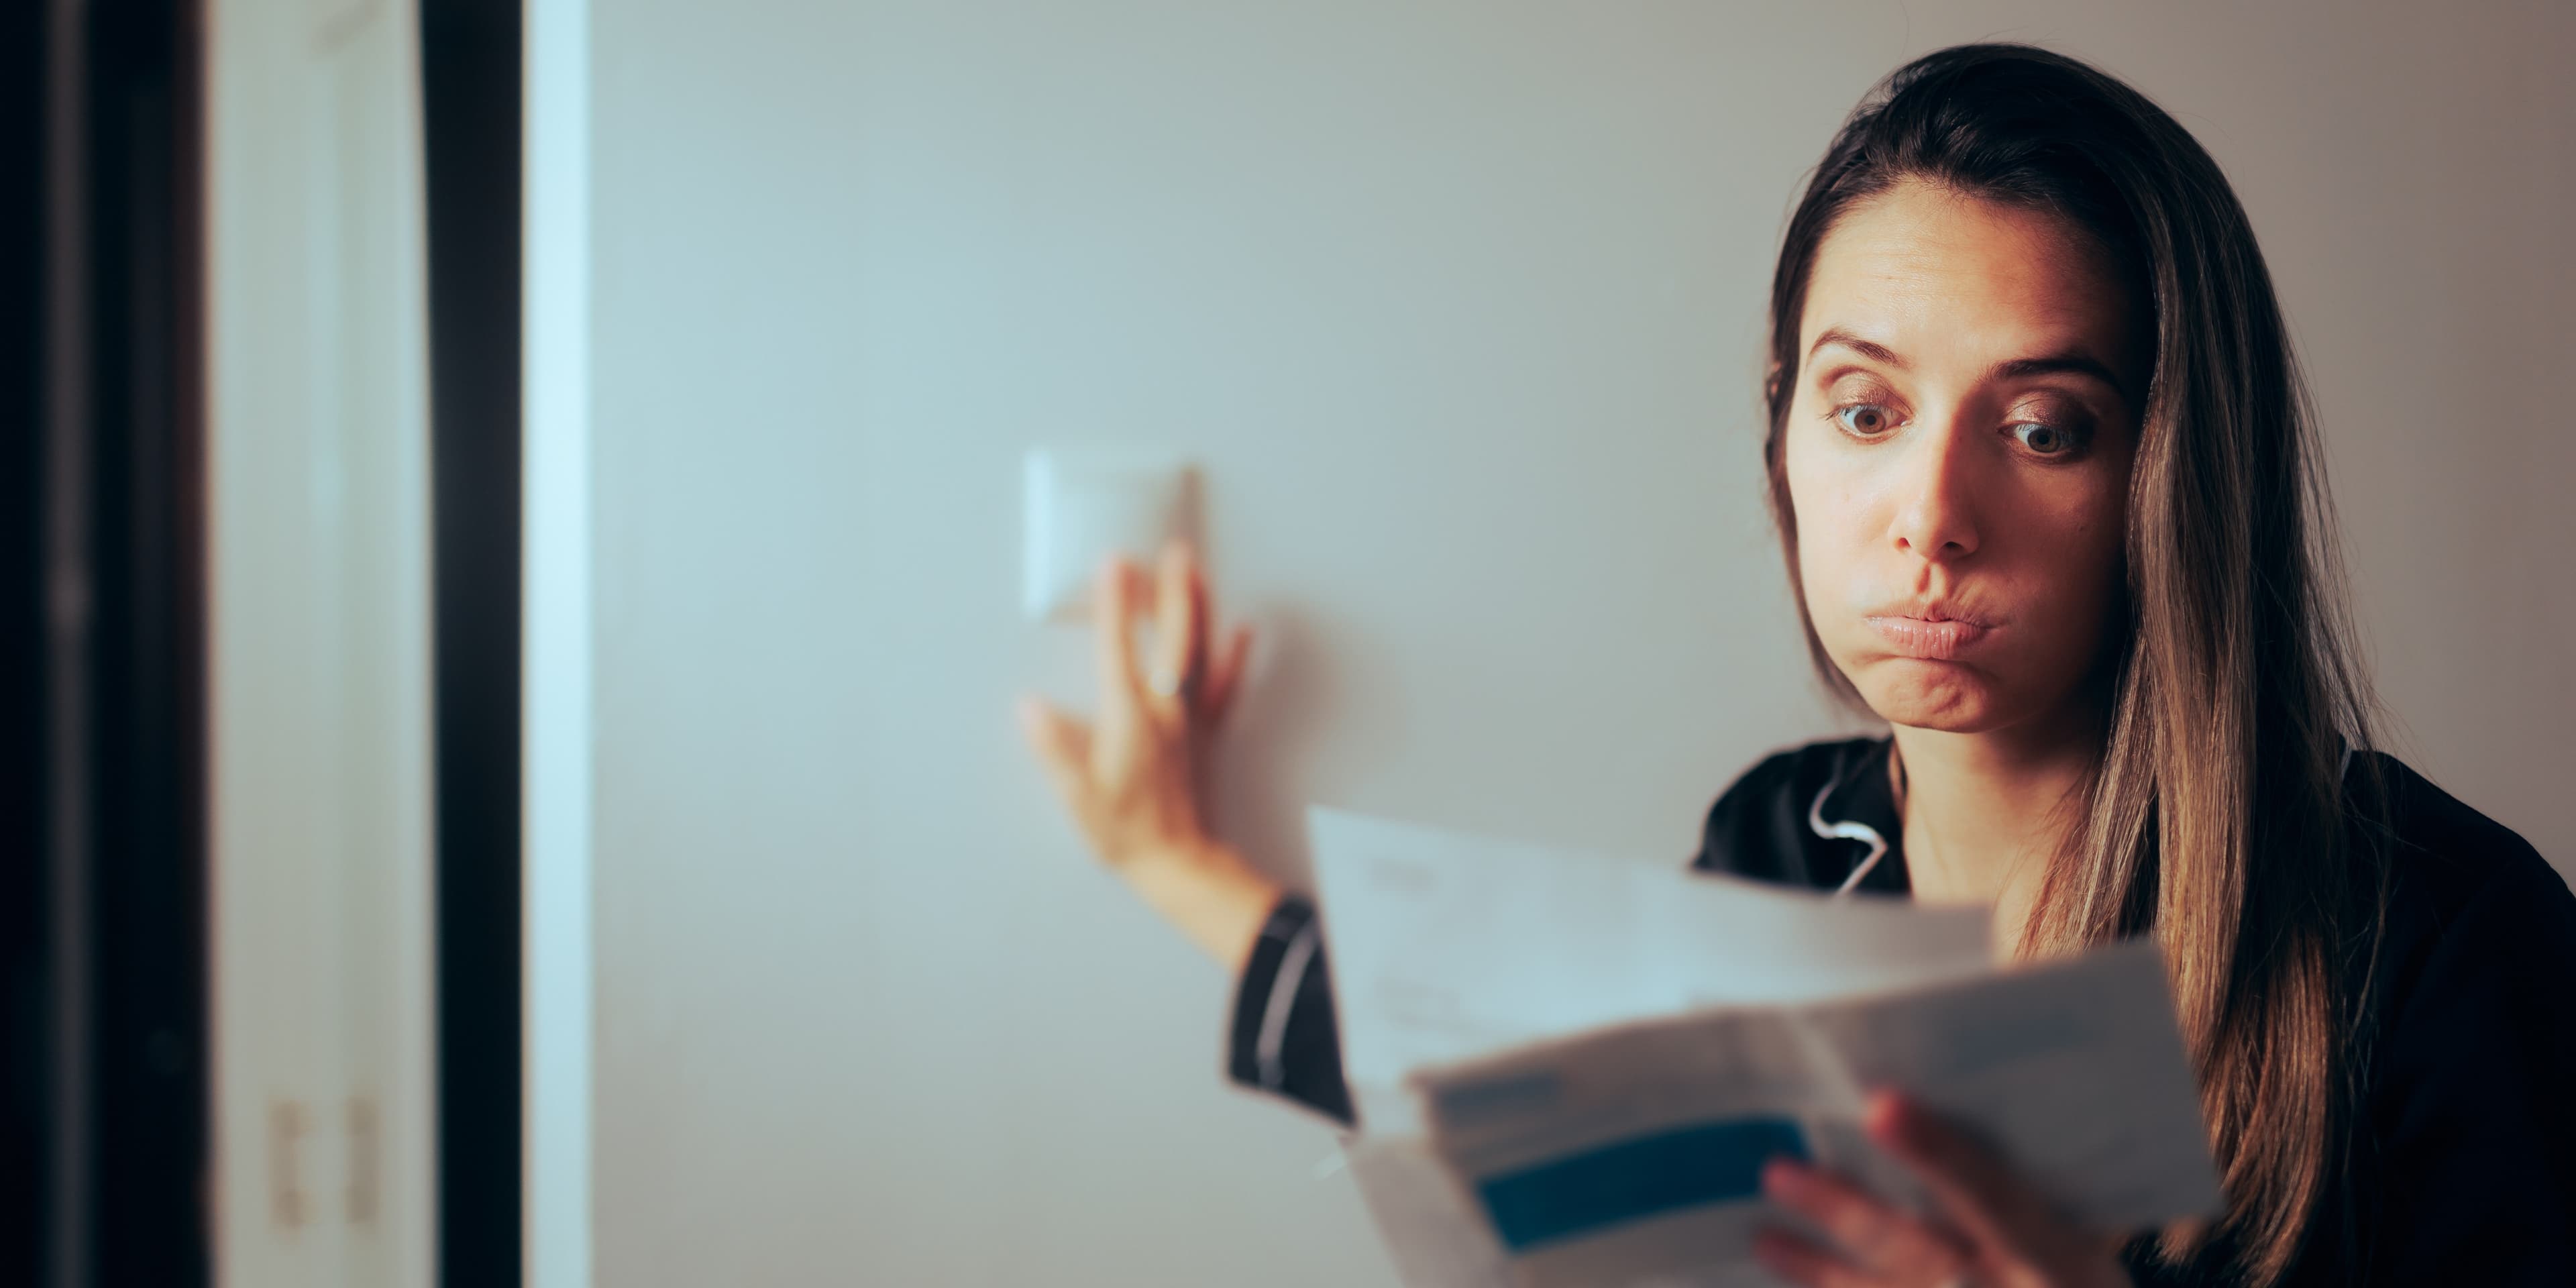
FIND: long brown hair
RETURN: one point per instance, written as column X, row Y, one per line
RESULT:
column 2217, row 815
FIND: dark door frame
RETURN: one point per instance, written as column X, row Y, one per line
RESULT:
column 471, row 60
column 104, row 584
column 106, row 1087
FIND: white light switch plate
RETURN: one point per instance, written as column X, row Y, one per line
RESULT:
column 1083, row 505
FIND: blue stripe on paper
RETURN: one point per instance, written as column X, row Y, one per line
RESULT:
column 1579, row 1194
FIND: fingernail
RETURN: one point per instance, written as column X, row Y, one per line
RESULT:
column 1892, row 1123
column 1882, row 1110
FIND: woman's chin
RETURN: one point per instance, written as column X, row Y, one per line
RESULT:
column 1943, row 696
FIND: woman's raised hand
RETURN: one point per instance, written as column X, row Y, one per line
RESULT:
column 1134, row 778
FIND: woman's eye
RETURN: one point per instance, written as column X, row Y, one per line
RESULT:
column 1865, row 420
column 2045, row 439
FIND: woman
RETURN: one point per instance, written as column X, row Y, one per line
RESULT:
column 2043, row 472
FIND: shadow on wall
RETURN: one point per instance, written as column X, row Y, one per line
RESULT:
column 1262, row 779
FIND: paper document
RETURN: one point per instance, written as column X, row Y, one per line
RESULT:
column 1569, row 1069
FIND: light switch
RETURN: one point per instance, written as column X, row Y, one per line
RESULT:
column 1083, row 505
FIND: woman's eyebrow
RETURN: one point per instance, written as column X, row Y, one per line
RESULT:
column 2071, row 362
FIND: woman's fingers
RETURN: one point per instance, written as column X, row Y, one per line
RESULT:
column 1176, row 631
column 1992, row 1221
column 1113, row 604
column 1877, row 1234
column 1978, row 1192
column 1180, row 677
column 1063, row 747
column 1801, row 1262
column 1225, row 676
column 1202, row 619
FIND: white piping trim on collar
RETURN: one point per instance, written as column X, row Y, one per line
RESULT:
column 1846, row 830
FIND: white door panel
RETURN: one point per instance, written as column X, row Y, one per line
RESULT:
column 320, row 673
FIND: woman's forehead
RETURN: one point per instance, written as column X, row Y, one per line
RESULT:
column 1943, row 278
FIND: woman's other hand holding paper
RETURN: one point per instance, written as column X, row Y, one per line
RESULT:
column 1994, row 1231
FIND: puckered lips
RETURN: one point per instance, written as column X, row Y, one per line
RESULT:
column 1935, row 630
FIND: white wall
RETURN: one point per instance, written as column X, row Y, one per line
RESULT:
column 1458, row 305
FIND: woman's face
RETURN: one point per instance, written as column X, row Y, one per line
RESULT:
column 1958, row 456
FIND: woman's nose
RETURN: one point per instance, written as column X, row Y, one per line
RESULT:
column 1936, row 513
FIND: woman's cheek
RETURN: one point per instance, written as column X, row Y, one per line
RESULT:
column 1824, row 558
column 2084, row 579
